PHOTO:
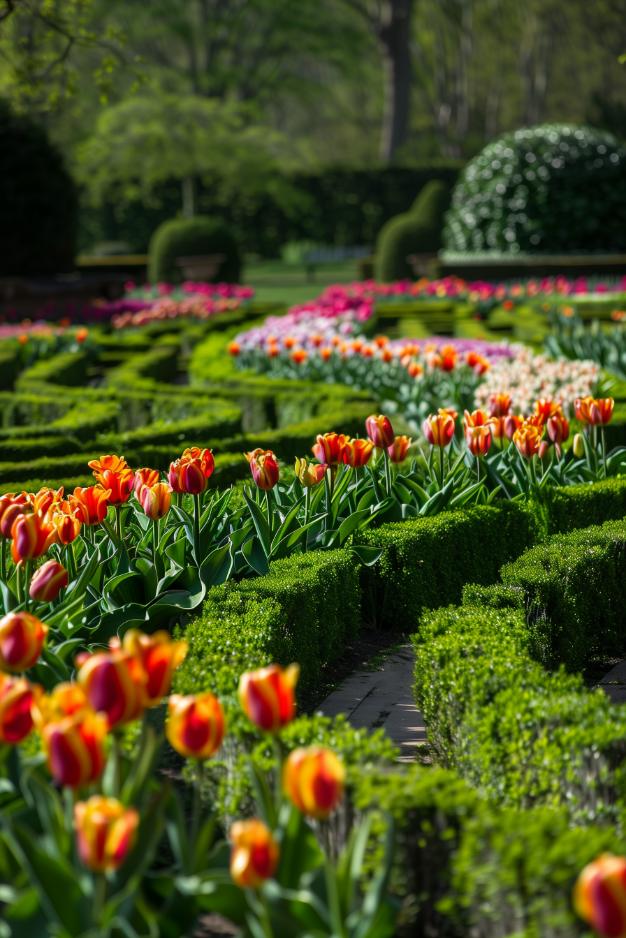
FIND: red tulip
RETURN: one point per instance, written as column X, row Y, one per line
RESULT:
column 22, row 636
column 105, row 832
column 264, row 468
column 379, row 430
column 478, row 440
column 398, row 450
column 48, row 581
column 267, row 696
column 600, row 896
column 254, row 855
column 328, row 448
column 357, row 453
column 195, row 725
column 439, row 429
column 114, row 683
column 32, row 536
column 313, row 780
column 16, row 699
column 90, row 504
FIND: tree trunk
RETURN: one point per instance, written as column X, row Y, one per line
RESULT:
column 394, row 37
column 188, row 192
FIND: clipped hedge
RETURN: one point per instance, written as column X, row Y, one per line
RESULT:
column 418, row 231
column 192, row 237
column 569, row 507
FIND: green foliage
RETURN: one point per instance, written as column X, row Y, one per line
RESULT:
column 38, row 201
column 188, row 237
column 418, row 231
column 576, row 506
column 548, row 189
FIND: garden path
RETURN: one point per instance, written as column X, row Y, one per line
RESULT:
column 383, row 699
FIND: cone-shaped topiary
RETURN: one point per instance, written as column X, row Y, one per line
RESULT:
column 543, row 190
column 415, row 232
column 193, row 237
column 38, row 201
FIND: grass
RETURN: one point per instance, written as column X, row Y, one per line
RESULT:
column 278, row 282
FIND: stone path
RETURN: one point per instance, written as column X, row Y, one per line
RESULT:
column 614, row 683
column 383, row 699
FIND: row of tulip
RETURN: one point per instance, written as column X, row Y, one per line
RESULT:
column 109, row 850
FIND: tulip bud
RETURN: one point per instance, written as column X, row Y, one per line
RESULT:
column 21, row 639
column 155, row 500
column 558, row 428
column 308, row 473
column 159, row 656
column 328, row 448
column 74, row 746
column 254, row 855
column 357, row 453
column 313, row 780
column 601, row 411
column 114, row 683
column 600, row 896
column 267, row 696
column 195, row 725
column 544, row 449
column 16, row 700
column 105, row 832
column 264, row 468
column 379, row 430
column 578, row 445
column 398, row 450
column 48, row 582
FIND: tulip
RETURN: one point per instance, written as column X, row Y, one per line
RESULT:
column 191, row 473
column 114, row 683
column 66, row 700
column 10, row 507
column 578, row 445
column 558, row 428
column 22, row 636
column 267, row 696
column 439, row 429
column 308, row 473
column 159, row 655
column 379, row 430
column 328, row 448
column 147, row 477
column 105, row 832
column 16, row 699
column 114, row 474
column 600, row 896
column 601, row 411
column 398, row 450
column 313, row 780
column 155, row 500
column 357, row 453
column 581, row 408
column 512, row 422
column 478, row 363
column 477, row 418
column 46, row 499
column 48, row 581
column 478, row 439
column 90, row 504
column 74, row 747
column 499, row 404
column 254, row 855
column 195, row 725
column 544, row 449
column 527, row 439
column 65, row 522
column 32, row 536
column 264, row 468
column 546, row 408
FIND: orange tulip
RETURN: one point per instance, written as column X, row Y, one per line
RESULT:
column 66, row 700
column 195, row 725
column 545, row 408
column 115, row 684
column 477, row 418
column 48, row 581
column 527, row 439
column 308, row 473
column 328, row 448
column 499, row 405
column 439, row 429
column 90, row 504
column 600, row 896
column 16, row 699
column 379, row 430
column 114, row 474
column 478, row 363
column 267, row 696
column 398, row 450
column 254, row 855
column 65, row 522
column 313, row 780
column 22, row 636
column 191, row 473
column 159, row 655
column 10, row 507
column 147, row 477
column 155, row 500
column 105, row 832
column 264, row 468
column 32, row 536
column 478, row 440
column 46, row 499
column 74, row 747
column 512, row 422
column 594, row 411
column 357, row 453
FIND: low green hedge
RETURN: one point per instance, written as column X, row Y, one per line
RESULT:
column 65, row 368
column 569, row 507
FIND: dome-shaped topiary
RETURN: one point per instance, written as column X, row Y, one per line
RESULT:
column 38, row 201
column 547, row 189
column 417, row 231
column 193, row 237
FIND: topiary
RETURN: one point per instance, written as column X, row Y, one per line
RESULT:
column 548, row 189
column 38, row 201
column 417, row 231
column 189, row 237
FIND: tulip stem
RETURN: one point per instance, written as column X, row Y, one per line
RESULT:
column 603, row 438
column 478, row 468
column 99, row 896
column 307, row 510
column 196, row 527
column 118, row 522
column 387, row 471
column 441, row 466
column 329, row 497
column 69, row 559
column 334, row 905
column 3, row 558
column 268, row 509
column 27, row 568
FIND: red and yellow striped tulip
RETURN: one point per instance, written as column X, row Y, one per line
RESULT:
column 74, row 748
column 398, row 450
column 105, row 832
column 264, row 468
column 477, row 418
column 379, row 430
column 90, row 504
column 114, row 683
column 478, row 439
column 313, row 780
column 545, row 408
column 357, row 453
column 527, row 439
column 600, row 896
column 10, row 507
column 66, row 524
column 439, row 429
column 46, row 499
column 328, row 448
column 160, row 656
column 66, row 700
column 512, row 422
column 16, row 700
column 557, row 428
column 499, row 405
column 148, row 477
column 190, row 474
column 254, row 853
column 308, row 473
column 267, row 696
column 594, row 411
column 195, row 725
column 22, row 636
column 114, row 474
column 48, row 581
column 155, row 500
column 32, row 536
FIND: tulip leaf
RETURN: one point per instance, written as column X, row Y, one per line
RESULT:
column 260, row 523
column 217, row 566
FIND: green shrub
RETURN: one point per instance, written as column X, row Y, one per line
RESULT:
column 576, row 506
column 554, row 188
column 65, row 368
column 425, row 563
column 416, row 232
column 190, row 237
column 38, row 201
